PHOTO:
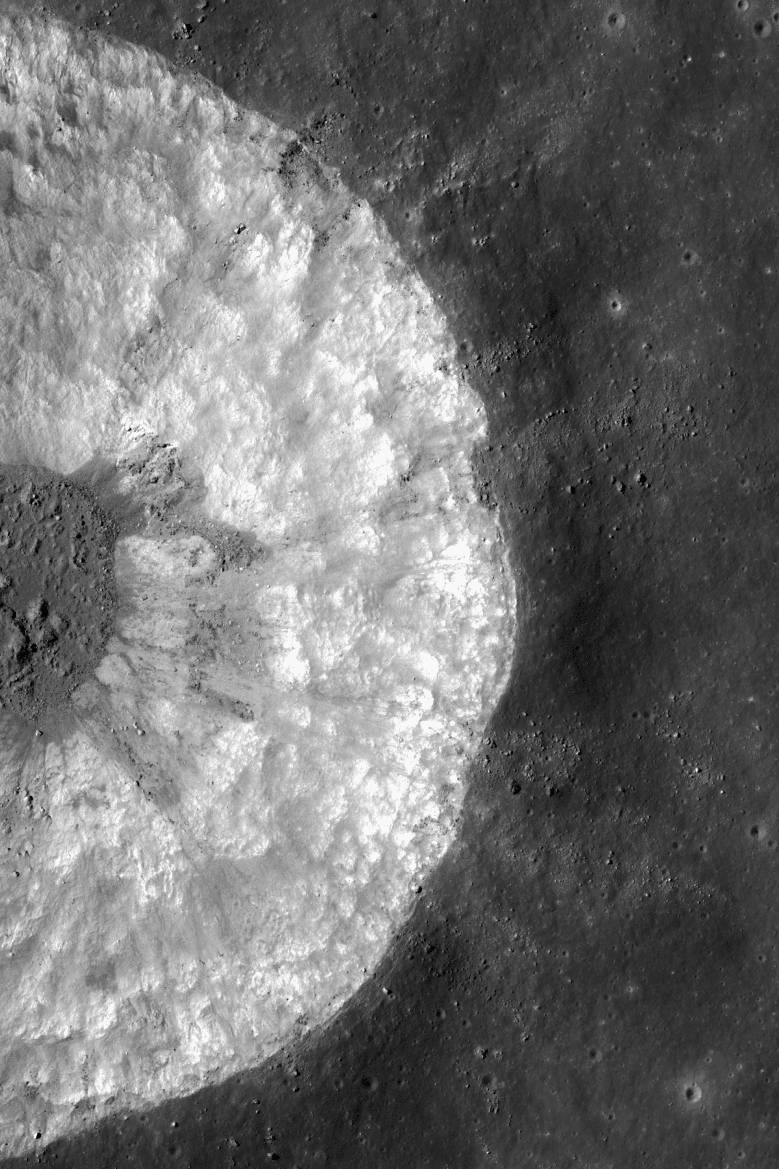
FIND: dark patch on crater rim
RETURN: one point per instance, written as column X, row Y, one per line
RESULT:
column 150, row 492
column 57, row 588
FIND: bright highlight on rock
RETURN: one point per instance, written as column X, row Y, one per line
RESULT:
column 213, row 832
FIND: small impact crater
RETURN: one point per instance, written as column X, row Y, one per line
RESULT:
column 57, row 594
column 615, row 21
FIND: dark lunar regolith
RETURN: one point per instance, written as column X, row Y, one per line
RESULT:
column 57, row 591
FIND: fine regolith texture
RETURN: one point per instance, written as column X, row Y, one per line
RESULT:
column 213, row 845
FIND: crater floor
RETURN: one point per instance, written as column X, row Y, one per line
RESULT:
column 57, row 593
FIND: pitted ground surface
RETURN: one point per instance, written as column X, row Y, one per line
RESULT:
column 57, row 594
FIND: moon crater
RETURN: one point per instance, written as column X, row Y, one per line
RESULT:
column 298, row 617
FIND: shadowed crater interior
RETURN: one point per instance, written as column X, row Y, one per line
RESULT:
column 57, row 593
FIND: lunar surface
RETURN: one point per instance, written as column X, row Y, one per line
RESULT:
column 253, row 616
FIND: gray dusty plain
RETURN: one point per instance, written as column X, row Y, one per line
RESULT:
column 589, row 977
